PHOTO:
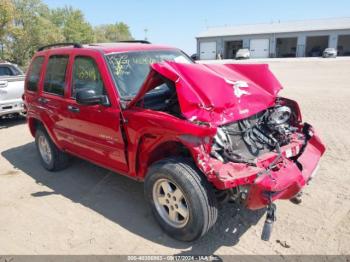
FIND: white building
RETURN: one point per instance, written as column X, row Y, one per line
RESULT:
column 282, row 39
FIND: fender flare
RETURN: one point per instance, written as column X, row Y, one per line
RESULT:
column 147, row 155
column 34, row 122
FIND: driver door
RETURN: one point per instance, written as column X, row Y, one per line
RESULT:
column 95, row 131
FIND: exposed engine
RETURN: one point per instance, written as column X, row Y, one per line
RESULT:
column 245, row 140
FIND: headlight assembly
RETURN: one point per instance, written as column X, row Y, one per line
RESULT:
column 280, row 115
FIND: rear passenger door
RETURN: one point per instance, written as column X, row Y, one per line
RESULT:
column 32, row 84
column 95, row 132
column 52, row 100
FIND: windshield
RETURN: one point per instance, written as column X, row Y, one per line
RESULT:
column 131, row 69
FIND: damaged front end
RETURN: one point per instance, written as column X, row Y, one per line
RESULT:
column 268, row 156
column 265, row 157
column 260, row 150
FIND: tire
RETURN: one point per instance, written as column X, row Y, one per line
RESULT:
column 198, row 198
column 56, row 160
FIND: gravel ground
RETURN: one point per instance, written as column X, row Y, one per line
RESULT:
column 89, row 210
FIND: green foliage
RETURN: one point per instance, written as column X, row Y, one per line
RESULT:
column 31, row 28
column 26, row 25
column 112, row 33
column 72, row 25
column 7, row 13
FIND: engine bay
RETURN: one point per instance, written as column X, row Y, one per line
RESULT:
column 245, row 140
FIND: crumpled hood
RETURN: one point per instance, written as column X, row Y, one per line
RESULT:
column 216, row 93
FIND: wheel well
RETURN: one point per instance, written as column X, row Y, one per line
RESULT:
column 34, row 124
column 164, row 150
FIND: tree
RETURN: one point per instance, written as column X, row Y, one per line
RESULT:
column 31, row 29
column 26, row 25
column 112, row 33
column 72, row 25
column 7, row 12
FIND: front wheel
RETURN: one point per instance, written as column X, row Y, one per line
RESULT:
column 181, row 199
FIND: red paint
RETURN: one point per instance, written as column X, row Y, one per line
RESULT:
column 205, row 95
column 128, row 140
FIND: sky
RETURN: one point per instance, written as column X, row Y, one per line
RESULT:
column 177, row 22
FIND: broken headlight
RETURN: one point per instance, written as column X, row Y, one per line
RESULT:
column 280, row 115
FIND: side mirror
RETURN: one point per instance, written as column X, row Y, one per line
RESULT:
column 89, row 97
column 194, row 57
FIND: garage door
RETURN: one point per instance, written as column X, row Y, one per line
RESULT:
column 207, row 50
column 259, row 48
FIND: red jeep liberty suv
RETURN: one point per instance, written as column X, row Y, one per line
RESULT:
column 196, row 134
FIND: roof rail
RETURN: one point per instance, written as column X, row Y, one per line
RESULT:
column 135, row 41
column 76, row 45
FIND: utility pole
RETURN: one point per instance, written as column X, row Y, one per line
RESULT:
column 146, row 32
column 2, row 51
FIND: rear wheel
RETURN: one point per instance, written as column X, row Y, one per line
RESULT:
column 51, row 157
column 181, row 199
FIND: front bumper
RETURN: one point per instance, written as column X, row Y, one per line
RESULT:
column 326, row 55
column 295, row 169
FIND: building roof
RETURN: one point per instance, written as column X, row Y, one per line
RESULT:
column 278, row 27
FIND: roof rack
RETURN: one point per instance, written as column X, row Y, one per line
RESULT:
column 75, row 45
column 135, row 41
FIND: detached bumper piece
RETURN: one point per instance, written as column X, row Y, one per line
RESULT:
column 270, row 219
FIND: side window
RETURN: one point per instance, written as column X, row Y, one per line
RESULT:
column 5, row 71
column 34, row 74
column 86, row 75
column 16, row 70
column 56, row 74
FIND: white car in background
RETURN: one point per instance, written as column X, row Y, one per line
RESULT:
column 11, row 90
column 330, row 52
column 243, row 53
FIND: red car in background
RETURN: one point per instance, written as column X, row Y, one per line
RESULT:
column 195, row 133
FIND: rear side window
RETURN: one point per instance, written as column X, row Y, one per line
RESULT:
column 86, row 75
column 34, row 74
column 5, row 71
column 56, row 74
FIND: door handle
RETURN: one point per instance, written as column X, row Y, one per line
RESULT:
column 73, row 109
column 43, row 100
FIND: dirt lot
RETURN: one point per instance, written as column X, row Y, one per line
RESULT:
column 88, row 210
